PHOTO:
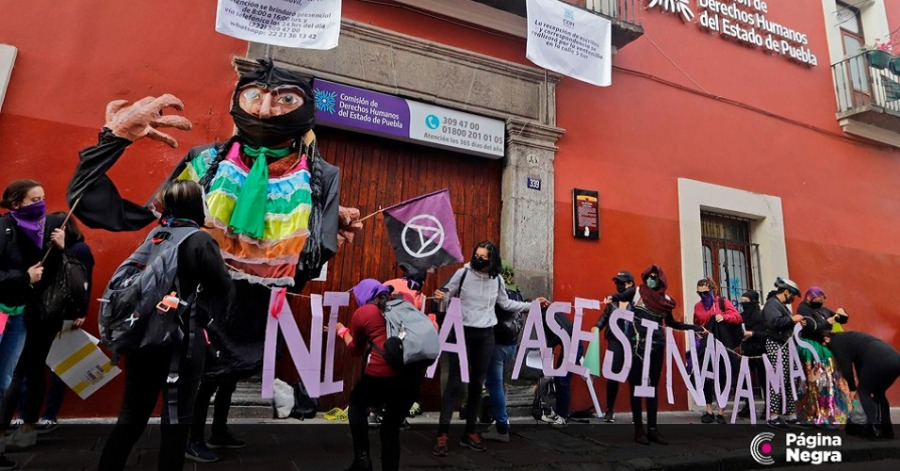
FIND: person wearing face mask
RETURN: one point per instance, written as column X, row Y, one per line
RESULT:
column 272, row 206
column 715, row 314
column 754, row 345
column 624, row 281
column 651, row 303
column 26, row 331
column 823, row 399
column 479, row 287
column 780, row 325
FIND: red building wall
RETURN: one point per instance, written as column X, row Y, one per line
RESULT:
column 630, row 141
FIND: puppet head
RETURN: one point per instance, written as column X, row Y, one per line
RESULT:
column 272, row 106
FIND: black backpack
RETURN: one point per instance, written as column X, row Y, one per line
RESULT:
column 139, row 307
column 305, row 407
column 544, row 398
column 509, row 324
column 67, row 296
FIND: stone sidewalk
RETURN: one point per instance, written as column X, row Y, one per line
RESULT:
column 319, row 445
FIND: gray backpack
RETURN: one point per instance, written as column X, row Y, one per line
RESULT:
column 134, row 312
column 412, row 341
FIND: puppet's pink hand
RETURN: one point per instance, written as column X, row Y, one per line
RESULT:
column 142, row 118
column 349, row 225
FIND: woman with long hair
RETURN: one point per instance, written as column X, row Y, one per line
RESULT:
column 479, row 287
column 27, row 234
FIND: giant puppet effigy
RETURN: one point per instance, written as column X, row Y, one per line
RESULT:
column 272, row 200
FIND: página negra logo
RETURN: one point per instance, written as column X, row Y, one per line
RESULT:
column 812, row 449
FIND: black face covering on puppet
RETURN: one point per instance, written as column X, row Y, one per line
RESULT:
column 277, row 129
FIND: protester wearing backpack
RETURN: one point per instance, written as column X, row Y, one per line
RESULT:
column 479, row 287
column 381, row 382
column 148, row 368
column 75, row 311
column 506, row 339
column 27, row 232
column 719, row 316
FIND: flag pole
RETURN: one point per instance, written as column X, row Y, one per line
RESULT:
column 370, row 215
column 63, row 227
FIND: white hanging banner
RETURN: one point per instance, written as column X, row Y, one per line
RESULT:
column 570, row 41
column 308, row 24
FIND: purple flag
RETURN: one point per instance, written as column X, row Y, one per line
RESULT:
column 423, row 231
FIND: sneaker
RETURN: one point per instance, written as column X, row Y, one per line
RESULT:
column 778, row 423
column 224, row 440
column 493, row 434
column 405, row 425
column 415, row 409
column 745, row 412
column 6, row 463
column 197, row 451
column 16, row 424
column 473, row 441
column 46, row 426
column 707, row 418
column 549, row 418
column 609, row 417
column 440, row 446
column 22, row 439
column 561, row 422
column 720, row 419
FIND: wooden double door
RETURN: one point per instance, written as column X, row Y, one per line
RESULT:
column 377, row 173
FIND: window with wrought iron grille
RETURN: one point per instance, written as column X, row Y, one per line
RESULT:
column 729, row 257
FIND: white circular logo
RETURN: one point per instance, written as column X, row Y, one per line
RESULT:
column 761, row 448
column 430, row 239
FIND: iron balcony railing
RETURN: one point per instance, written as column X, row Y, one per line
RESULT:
column 624, row 10
column 624, row 15
column 863, row 89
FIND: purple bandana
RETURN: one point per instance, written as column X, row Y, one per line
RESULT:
column 31, row 220
column 367, row 290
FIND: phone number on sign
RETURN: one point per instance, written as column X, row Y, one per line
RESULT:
column 468, row 130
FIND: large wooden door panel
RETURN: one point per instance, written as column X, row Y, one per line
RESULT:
column 377, row 173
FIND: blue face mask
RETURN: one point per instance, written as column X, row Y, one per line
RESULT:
column 652, row 283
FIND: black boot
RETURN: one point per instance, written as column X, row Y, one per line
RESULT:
column 640, row 437
column 744, row 413
column 654, row 436
column 361, row 461
column 872, row 431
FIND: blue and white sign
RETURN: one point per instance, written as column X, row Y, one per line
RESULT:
column 357, row 109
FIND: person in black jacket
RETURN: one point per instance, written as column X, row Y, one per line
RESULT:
column 780, row 325
column 823, row 399
column 624, row 281
column 25, row 233
column 31, row 395
column 33, row 234
column 147, row 369
column 655, row 305
column 754, row 344
column 877, row 367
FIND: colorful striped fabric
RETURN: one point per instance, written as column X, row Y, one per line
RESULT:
column 272, row 259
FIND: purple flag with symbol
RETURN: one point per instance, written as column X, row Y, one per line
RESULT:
column 423, row 231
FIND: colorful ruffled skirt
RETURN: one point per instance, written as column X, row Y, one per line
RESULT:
column 823, row 398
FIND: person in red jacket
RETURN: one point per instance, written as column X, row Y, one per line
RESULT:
column 381, row 384
column 709, row 313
